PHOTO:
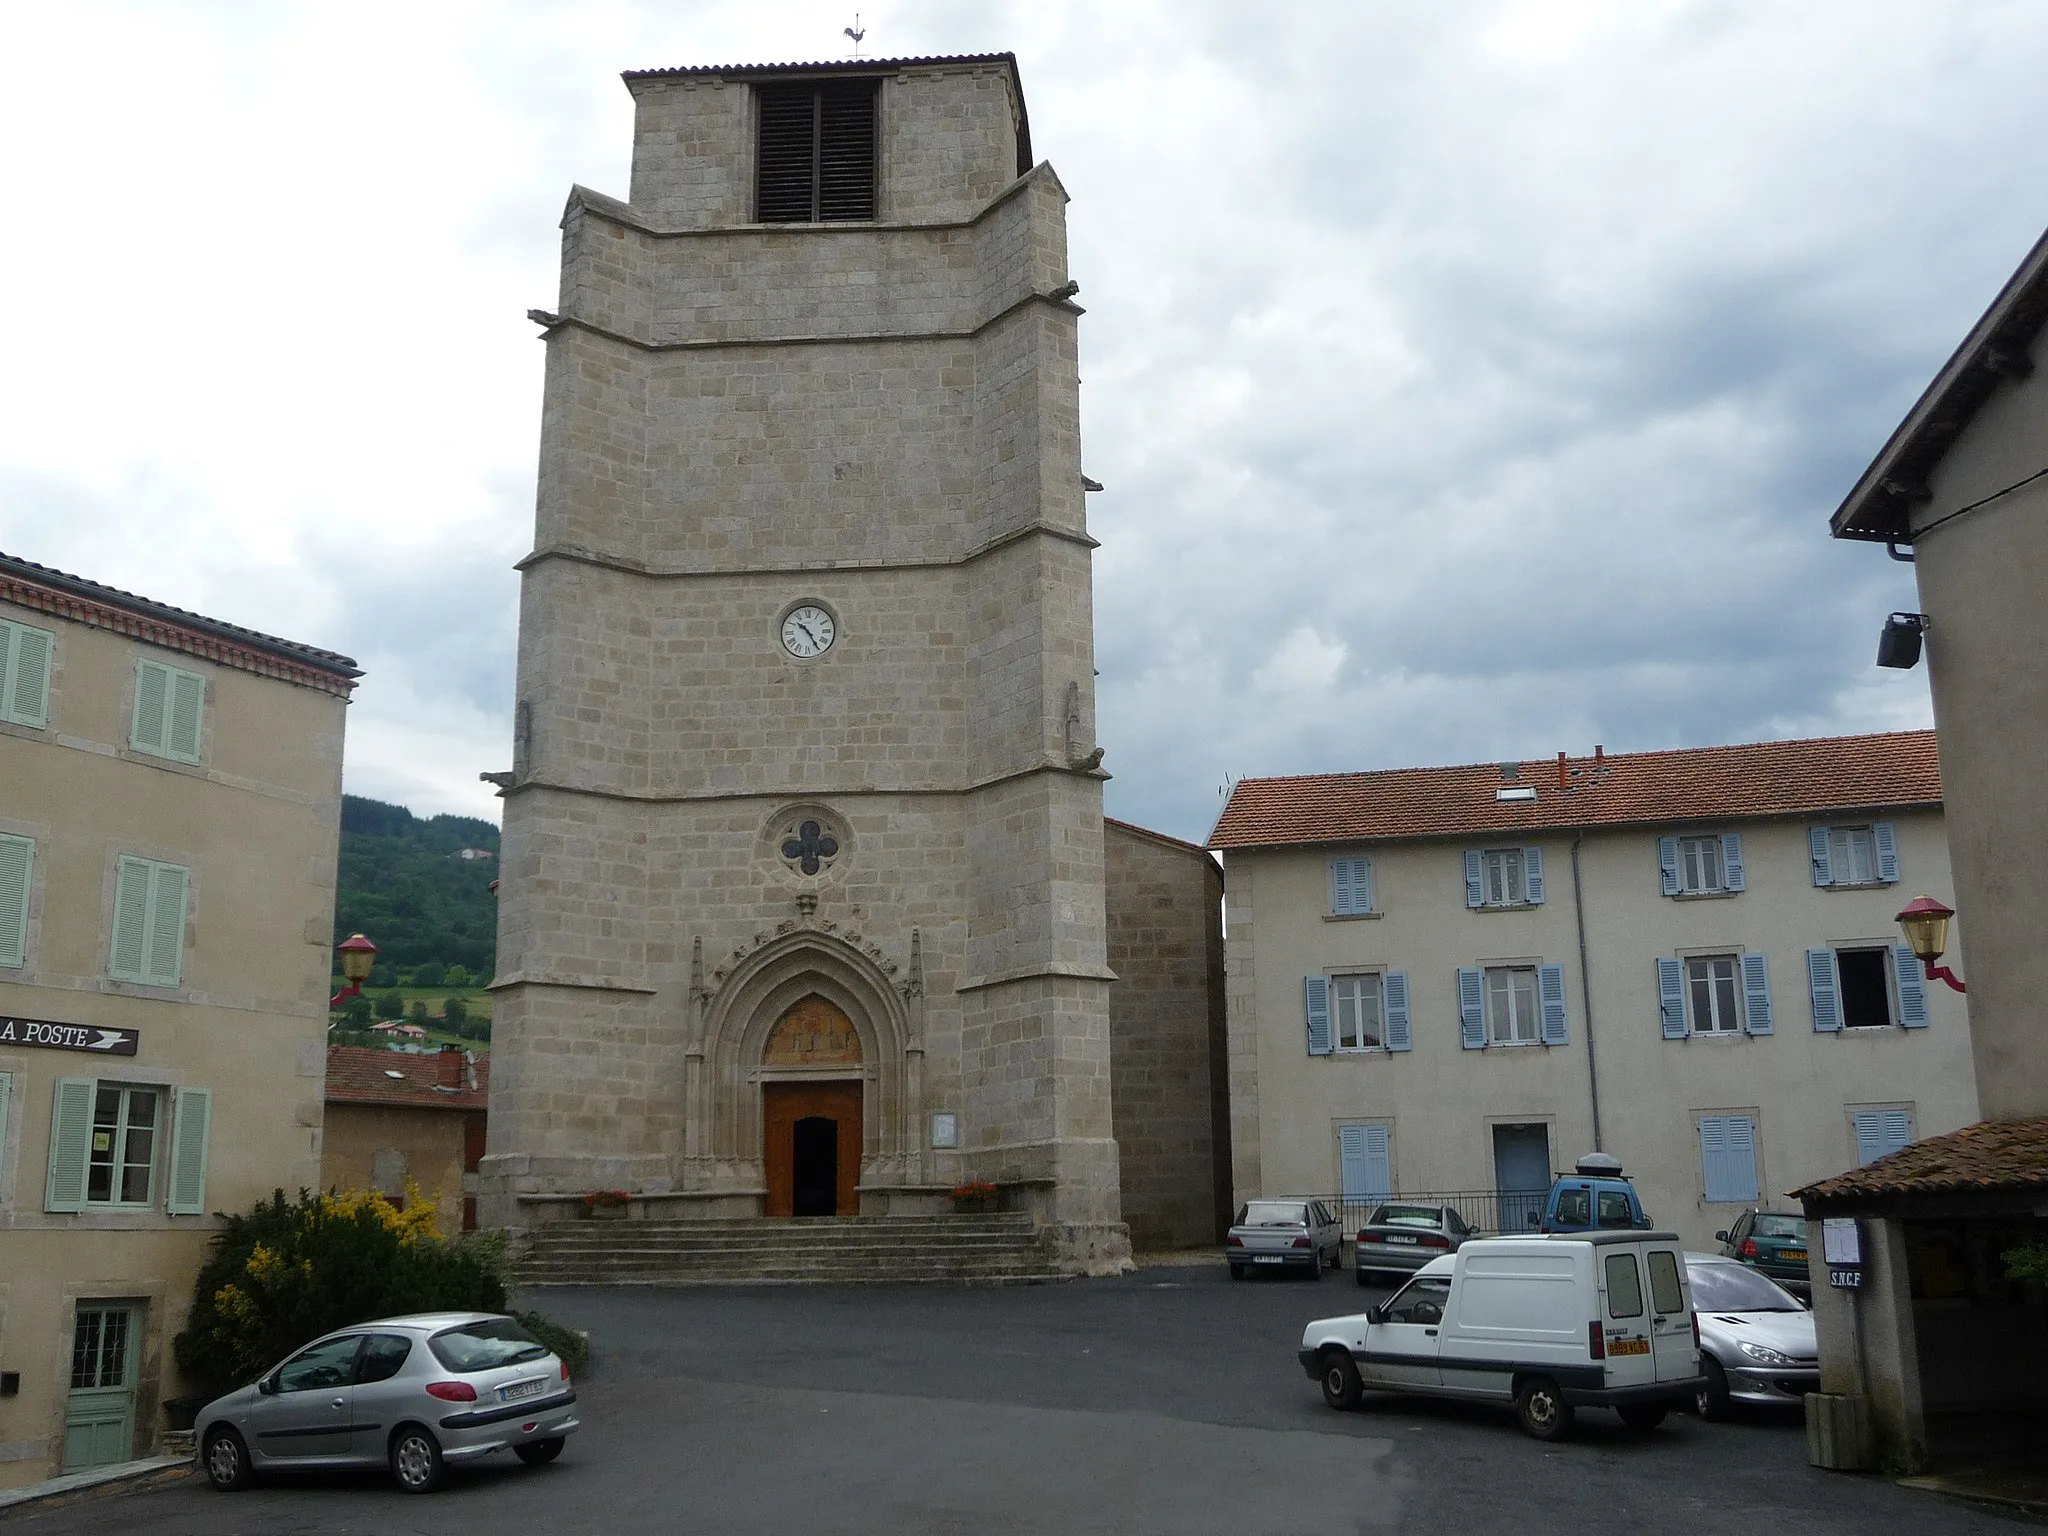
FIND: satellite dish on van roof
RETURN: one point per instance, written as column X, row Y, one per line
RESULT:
column 1599, row 1163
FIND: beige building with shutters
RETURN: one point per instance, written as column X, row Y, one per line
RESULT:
column 170, row 795
column 1457, row 981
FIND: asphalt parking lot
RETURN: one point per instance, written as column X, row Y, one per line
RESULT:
column 1166, row 1402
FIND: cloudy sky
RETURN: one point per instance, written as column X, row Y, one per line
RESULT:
column 1469, row 380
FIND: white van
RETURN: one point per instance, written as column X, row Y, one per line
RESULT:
column 1549, row 1324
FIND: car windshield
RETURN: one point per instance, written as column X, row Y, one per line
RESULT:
column 1273, row 1213
column 1735, row 1288
column 485, row 1345
column 1793, row 1227
column 1406, row 1216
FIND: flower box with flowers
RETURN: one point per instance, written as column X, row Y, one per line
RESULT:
column 975, row 1195
column 606, row 1204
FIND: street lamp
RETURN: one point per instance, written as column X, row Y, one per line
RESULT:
column 358, row 954
column 1925, row 922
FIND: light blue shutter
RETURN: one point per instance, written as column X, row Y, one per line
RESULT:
column 1817, row 845
column 166, row 924
column 152, row 707
column 187, row 704
column 1886, row 842
column 1550, row 994
column 1732, row 876
column 1756, row 993
column 1363, row 1164
column 1912, row 987
column 1316, row 1004
column 1826, row 988
column 17, row 877
column 1399, row 1036
column 188, row 1153
column 70, row 1145
column 1475, row 879
column 1671, row 996
column 25, row 674
column 6, row 1102
column 1532, row 875
column 1728, row 1158
column 128, row 957
column 1471, row 1008
column 1350, row 886
column 1667, row 865
column 1881, row 1132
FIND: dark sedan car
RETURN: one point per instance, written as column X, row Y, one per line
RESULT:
column 1399, row 1238
column 1772, row 1243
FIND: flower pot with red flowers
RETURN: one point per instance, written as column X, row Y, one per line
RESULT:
column 975, row 1197
column 606, row 1204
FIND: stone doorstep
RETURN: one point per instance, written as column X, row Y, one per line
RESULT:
column 121, row 1473
column 2017, row 1488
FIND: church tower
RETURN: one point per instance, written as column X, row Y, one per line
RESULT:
column 802, row 896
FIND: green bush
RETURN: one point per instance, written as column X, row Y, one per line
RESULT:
column 457, row 976
column 566, row 1342
column 288, row 1272
column 417, row 1013
column 356, row 1012
column 432, row 974
column 391, row 1006
column 454, row 1013
column 2028, row 1261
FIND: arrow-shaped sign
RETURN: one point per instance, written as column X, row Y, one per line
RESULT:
column 69, row 1037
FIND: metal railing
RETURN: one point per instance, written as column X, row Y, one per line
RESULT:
column 1507, row 1213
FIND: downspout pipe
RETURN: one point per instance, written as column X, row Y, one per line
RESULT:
column 1586, row 991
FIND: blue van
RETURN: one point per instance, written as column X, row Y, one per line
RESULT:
column 1595, row 1196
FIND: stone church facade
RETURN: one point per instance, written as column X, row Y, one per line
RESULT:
column 802, row 905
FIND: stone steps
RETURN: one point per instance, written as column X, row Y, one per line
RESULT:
column 997, row 1249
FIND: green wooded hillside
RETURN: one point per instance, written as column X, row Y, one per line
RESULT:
column 402, row 883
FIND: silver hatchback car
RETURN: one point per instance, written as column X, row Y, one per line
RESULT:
column 411, row 1393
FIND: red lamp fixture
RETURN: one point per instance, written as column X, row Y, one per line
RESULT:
column 1925, row 922
column 358, row 954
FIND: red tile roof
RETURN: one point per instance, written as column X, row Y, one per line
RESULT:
column 1991, row 1157
column 364, row 1074
column 1692, row 784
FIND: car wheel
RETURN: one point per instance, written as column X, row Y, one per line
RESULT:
column 227, row 1461
column 1237, row 1271
column 1341, row 1387
column 1542, row 1409
column 538, row 1453
column 415, row 1460
column 1642, row 1416
column 1315, row 1263
column 1710, row 1398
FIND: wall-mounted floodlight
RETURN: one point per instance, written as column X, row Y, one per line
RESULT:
column 1899, row 645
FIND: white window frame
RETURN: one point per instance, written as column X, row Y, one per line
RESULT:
column 158, row 1141
column 1497, row 874
column 1348, row 993
column 1694, row 854
column 1716, row 1025
column 1518, row 1017
column 1844, row 844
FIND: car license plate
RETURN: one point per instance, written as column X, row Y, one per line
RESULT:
column 1269, row 1258
column 1628, row 1347
column 1395, row 1237
column 1793, row 1255
column 519, row 1389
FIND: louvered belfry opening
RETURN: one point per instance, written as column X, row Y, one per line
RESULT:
column 817, row 152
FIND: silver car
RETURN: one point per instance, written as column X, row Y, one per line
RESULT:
column 1284, row 1234
column 411, row 1393
column 1756, row 1341
column 1399, row 1238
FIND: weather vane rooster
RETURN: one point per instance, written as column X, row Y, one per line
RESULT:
column 856, row 32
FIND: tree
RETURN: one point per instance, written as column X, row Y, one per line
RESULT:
column 457, row 976
column 417, row 1013
column 355, row 1012
column 454, row 1014
column 432, row 974
column 390, row 1006
column 383, row 974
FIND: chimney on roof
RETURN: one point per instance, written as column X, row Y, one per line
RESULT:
column 448, row 1067
column 1599, row 755
column 1510, row 772
column 1563, row 778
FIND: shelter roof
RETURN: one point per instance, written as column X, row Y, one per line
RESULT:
column 1990, row 1157
column 446, row 1079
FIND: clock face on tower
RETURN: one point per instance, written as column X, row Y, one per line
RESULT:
column 807, row 631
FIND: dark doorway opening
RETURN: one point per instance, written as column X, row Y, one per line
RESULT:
column 814, row 1169
column 1866, row 988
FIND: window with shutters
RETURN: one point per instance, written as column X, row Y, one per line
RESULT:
column 1358, row 1004
column 149, row 922
column 1511, row 1014
column 1866, row 989
column 17, row 880
column 1714, row 995
column 170, row 705
column 815, row 159
column 1704, row 865
column 1880, row 1132
column 1855, row 856
column 1350, row 887
column 108, row 1141
column 1365, row 1170
column 1503, row 877
column 121, row 1161
column 1728, row 1158
column 25, row 654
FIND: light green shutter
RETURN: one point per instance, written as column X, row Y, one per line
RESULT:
column 188, row 1153
column 70, row 1145
column 6, row 1095
column 129, row 954
column 152, row 707
column 188, row 703
column 17, row 873
column 167, row 924
column 25, row 674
